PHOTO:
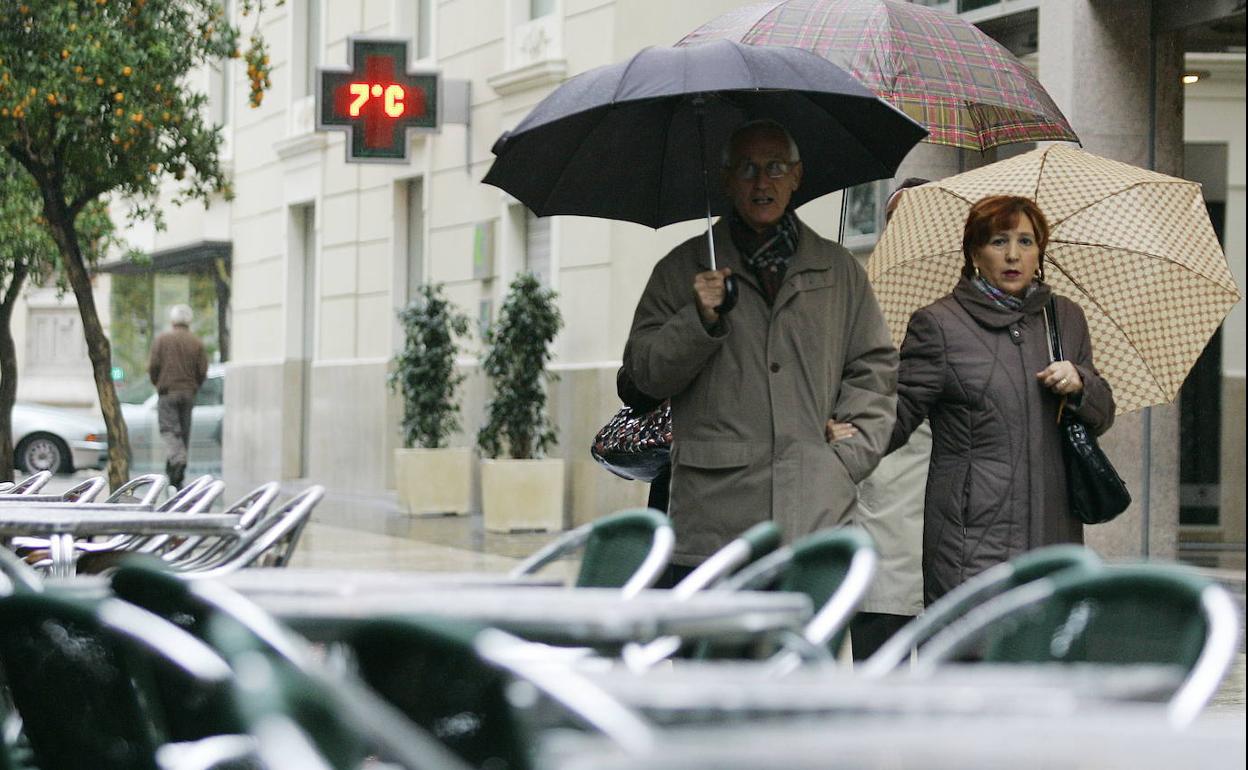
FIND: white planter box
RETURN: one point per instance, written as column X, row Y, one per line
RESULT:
column 434, row 481
column 522, row 494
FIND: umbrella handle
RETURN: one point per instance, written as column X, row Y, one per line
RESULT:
column 730, row 296
column 730, row 283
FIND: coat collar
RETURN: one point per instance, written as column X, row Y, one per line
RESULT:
column 988, row 313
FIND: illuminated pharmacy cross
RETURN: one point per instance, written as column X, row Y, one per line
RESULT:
column 376, row 100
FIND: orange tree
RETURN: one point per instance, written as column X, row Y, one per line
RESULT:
column 95, row 103
column 27, row 253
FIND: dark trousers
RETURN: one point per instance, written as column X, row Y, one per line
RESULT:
column 868, row 631
column 659, row 490
column 173, row 414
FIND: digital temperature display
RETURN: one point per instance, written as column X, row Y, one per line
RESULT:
column 376, row 100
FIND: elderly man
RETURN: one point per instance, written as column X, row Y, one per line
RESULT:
column 754, row 391
column 177, row 368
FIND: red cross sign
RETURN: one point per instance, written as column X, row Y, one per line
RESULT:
column 375, row 99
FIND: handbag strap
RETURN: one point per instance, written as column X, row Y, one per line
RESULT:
column 1055, row 344
column 1050, row 324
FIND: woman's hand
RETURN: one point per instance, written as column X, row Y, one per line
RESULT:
column 835, row 431
column 1062, row 378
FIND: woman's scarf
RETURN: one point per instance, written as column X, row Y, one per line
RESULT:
column 1004, row 299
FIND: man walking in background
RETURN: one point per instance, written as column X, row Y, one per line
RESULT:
column 177, row 368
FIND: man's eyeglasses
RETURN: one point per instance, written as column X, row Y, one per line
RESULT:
column 774, row 169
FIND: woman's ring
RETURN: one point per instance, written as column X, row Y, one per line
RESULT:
column 1062, row 381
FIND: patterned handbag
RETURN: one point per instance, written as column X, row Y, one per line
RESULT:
column 635, row 445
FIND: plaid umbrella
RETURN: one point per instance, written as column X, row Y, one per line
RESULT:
column 964, row 87
column 1133, row 247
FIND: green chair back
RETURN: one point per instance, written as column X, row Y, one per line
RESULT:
column 337, row 722
column 267, row 686
column 193, row 604
column 1145, row 614
column 618, row 546
column 982, row 588
column 761, row 539
column 98, row 693
column 1120, row 616
column 818, row 566
column 430, row 669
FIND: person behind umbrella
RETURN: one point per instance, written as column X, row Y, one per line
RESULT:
column 976, row 363
column 752, row 389
column 890, row 509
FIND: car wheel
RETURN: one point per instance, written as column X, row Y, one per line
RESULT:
column 43, row 452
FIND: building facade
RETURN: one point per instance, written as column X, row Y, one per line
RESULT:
column 322, row 254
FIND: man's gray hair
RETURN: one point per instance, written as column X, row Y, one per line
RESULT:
column 180, row 315
column 765, row 125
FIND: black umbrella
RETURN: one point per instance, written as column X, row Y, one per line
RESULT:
column 633, row 141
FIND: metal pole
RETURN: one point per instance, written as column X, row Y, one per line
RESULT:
column 699, row 107
column 1146, row 423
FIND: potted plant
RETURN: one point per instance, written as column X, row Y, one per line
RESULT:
column 430, row 477
column 520, row 489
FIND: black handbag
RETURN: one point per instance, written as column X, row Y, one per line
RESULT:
column 1095, row 491
column 634, row 444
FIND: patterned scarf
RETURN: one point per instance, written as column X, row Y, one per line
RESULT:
column 767, row 254
column 1005, row 300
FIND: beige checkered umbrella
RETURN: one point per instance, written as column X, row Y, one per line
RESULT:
column 1133, row 247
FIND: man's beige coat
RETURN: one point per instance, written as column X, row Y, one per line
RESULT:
column 750, row 404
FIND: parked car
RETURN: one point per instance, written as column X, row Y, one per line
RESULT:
column 147, row 451
column 49, row 438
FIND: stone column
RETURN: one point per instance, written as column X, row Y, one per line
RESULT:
column 1115, row 83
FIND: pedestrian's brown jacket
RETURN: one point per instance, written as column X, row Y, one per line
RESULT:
column 178, row 362
column 750, row 404
column 996, row 486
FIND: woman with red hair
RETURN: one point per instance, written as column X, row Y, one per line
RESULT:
column 976, row 363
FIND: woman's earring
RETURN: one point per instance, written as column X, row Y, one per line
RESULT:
column 977, row 271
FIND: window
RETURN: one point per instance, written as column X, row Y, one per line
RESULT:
column 311, row 39
column 54, row 340
column 537, row 246
column 219, row 73
column 414, row 22
column 211, row 393
column 415, row 237
column 540, row 8
column 863, row 215
column 424, row 29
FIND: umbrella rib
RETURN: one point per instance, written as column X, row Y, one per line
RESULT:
column 624, row 75
column 1149, row 255
column 753, row 78
column 1114, row 194
column 667, row 135
column 1105, row 313
column 1035, row 196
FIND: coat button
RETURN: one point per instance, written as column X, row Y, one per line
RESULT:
column 775, row 367
column 1014, row 333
